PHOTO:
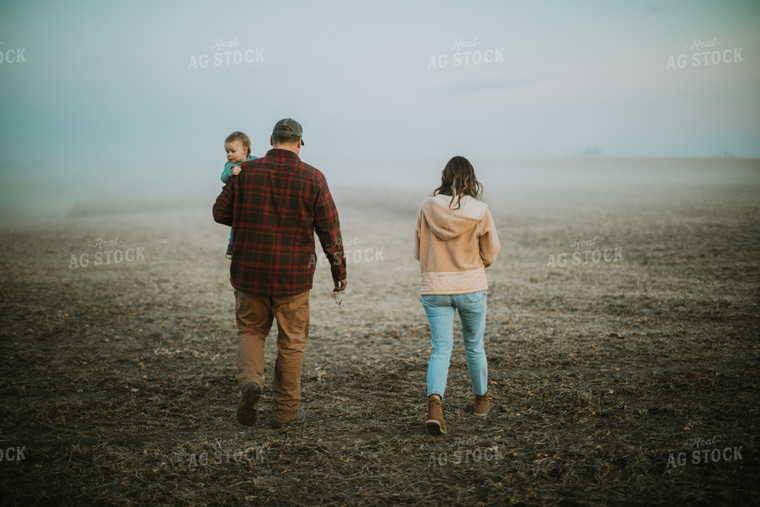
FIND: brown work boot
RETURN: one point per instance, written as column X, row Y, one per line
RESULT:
column 249, row 399
column 482, row 405
column 434, row 424
column 298, row 419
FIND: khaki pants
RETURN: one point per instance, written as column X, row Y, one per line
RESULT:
column 254, row 315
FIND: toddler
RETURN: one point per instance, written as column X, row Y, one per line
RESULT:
column 238, row 148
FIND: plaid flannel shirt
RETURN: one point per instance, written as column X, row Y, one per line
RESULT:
column 275, row 205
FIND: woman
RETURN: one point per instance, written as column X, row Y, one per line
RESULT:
column 455, row 240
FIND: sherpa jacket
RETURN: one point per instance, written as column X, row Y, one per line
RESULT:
column 454, row 246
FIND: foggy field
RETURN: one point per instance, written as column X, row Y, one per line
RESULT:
column 619, row 148
column 622, row 343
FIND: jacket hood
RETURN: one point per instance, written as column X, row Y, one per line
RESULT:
column 447, row 223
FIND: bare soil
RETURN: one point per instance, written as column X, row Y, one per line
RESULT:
column 613, row 380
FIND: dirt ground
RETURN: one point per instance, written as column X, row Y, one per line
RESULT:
column 629, row 376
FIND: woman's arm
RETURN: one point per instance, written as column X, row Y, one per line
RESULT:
column 489, row 240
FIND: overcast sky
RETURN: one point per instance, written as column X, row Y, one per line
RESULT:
column 110, row 97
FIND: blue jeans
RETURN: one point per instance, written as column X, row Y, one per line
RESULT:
column 440, row 311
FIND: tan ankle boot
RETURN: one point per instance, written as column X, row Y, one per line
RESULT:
column 482, row 405
column 434, row 424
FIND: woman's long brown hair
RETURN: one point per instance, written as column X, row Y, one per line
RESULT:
column 457, row 180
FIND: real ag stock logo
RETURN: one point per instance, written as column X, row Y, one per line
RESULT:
column 11, row 55
column 463, row 53
column 10, row 454
column 352, row 253
column 226, row 53
column 107, row 252
column 585, row 252
column 706, row 451
column 228, row 451
column 704, row 53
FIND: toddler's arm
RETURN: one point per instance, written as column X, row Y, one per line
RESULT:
column 231, row 169
column 228, row 171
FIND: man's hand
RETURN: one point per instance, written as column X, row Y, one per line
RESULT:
column 236, row 170
column 340, row 285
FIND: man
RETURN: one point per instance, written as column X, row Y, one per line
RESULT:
column 274, row 206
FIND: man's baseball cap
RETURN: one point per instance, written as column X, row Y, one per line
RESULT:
column 288, row 127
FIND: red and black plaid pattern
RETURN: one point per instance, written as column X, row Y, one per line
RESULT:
column 275, row 205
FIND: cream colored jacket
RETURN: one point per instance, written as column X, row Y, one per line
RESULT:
column 454, row 246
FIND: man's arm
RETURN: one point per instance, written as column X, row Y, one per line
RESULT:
column 327, row 227
column 222, row 209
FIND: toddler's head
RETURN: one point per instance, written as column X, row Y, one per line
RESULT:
column 238, row 147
